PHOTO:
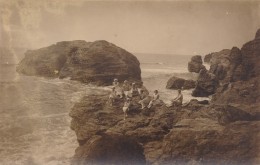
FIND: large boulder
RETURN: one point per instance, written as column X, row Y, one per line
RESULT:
column 96, row 62
column 179, row 83
column 196, row 64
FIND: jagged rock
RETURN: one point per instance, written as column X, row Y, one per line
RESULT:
column 206, row 84
column 251, row 57
column 179, row 83
column 195, row 65
column 208, row 57
column 96, row 62
column 226, row 66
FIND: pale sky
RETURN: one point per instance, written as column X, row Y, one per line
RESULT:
column 164, row 27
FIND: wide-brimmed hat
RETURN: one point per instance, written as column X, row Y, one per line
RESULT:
column 115, row 79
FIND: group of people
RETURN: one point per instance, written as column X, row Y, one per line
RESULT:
column 128, row 90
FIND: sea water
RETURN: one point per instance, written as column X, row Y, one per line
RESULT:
column 34, row 120
column 158, row 69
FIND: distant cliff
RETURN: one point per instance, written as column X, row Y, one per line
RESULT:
column 96, row 62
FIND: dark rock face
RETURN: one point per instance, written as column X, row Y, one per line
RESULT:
column 251, row 57
column 230, row 66
column 179, row 83
column 195, row 65
column 96, row 62
column 208, row 57
column 212, row 144
column 48, row 61
column 206, row 84
column 111, row 149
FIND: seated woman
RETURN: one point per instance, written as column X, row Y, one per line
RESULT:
column 115, row 82
column 118, row 89
column 143, row 99
column 177, row 101
column 126, row 107
column 134, row 91
column 126, row 88
column 155, row 99
column 112, row 96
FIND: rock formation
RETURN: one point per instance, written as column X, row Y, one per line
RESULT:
column 208, row 57
column 195, row 65
column 179, row 83
column 96, row 62
column 226, row 131
column 230, row 66
column 206, row 84
column 194, row 133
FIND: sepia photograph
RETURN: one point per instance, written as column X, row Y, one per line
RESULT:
column 129, row 82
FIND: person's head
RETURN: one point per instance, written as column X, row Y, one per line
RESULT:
column 128, row 99
column 115, row 80
column 179, row 90
column 133, row 84
column 155, row 91
column 125, row 81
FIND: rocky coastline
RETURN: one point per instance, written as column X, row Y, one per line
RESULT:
column 223, row 131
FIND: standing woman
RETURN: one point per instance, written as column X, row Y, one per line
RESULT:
column 126, row 107
column 118, row 89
